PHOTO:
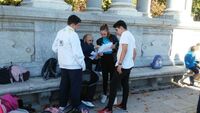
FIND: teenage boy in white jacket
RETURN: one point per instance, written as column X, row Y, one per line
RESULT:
column 71, row 61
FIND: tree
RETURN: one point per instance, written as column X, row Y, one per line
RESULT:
column 157, row 7
column 196, row 10
column 106, row 4
column 11, row 2
column 77, row 5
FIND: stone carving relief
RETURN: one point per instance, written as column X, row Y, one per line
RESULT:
column 16, row 46
column 153, row 45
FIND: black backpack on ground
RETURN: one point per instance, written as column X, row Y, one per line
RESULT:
column 49, row 69
column 5, row 75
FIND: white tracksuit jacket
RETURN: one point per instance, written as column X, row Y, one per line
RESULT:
column 67, row 45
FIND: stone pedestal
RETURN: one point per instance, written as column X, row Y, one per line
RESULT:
column 94, row 6
column 144, row 6
column 49, row 4
column 123, row 7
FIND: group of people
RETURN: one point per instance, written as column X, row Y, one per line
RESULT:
column 74, row 58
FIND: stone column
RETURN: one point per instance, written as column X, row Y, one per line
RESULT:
column 49, row 4
column 178, row 9
column 123, row 7
column 188, row 6
column 94, row 6
column 144, row 6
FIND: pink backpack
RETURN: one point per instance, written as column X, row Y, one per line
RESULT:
column 9, row 101
column 2, row 108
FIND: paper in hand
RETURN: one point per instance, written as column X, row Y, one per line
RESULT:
column 94, row 55
column 105, row 48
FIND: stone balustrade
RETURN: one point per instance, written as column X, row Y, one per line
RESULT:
column 29, row 30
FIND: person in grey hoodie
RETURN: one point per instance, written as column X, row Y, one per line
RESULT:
column 71, row 61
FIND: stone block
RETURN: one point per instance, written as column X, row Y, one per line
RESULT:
column 154, row 44
column 12, row 24
column 48, row 26
column 17, row 47
column 43, row 46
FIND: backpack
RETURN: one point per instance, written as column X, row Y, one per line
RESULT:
column 9, row 101
column 19, row 74
column 49, row 69
column 13, row 73
column 157, row 62
column 5, row 75
column 2, row 108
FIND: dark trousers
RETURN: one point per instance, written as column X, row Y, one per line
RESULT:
column 108, row 68
column 196, row 71
column 198, row 106
column 70, row 87
column 123, row 79
column 89, row 87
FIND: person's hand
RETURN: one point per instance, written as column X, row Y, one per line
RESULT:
column 119, row 69
column 83, row 67
column 97, row 46
column 113, row 46
column 100, row 54
column 97, row 57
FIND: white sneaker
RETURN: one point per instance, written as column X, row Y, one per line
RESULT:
column 103, row 99
column 115, row 102
column 61, row 109
column 90, row 104
column 87, row 103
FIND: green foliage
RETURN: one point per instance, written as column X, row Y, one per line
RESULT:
column 157, row 7
column 77, row 5
column 10, row 2
column 5, row 2
column 162, row 2
column 106, row 4
column 134, row 2
column 196, row 10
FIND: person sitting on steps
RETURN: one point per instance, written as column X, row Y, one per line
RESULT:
column 89, row 85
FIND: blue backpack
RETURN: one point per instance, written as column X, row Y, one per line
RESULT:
column 157, row 62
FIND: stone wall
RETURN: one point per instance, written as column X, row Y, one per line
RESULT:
column 27, row 35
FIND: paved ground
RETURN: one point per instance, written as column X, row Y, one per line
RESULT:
column 178, row 100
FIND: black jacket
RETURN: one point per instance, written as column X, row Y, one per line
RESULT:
column 113, row 39
column 87, row 49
